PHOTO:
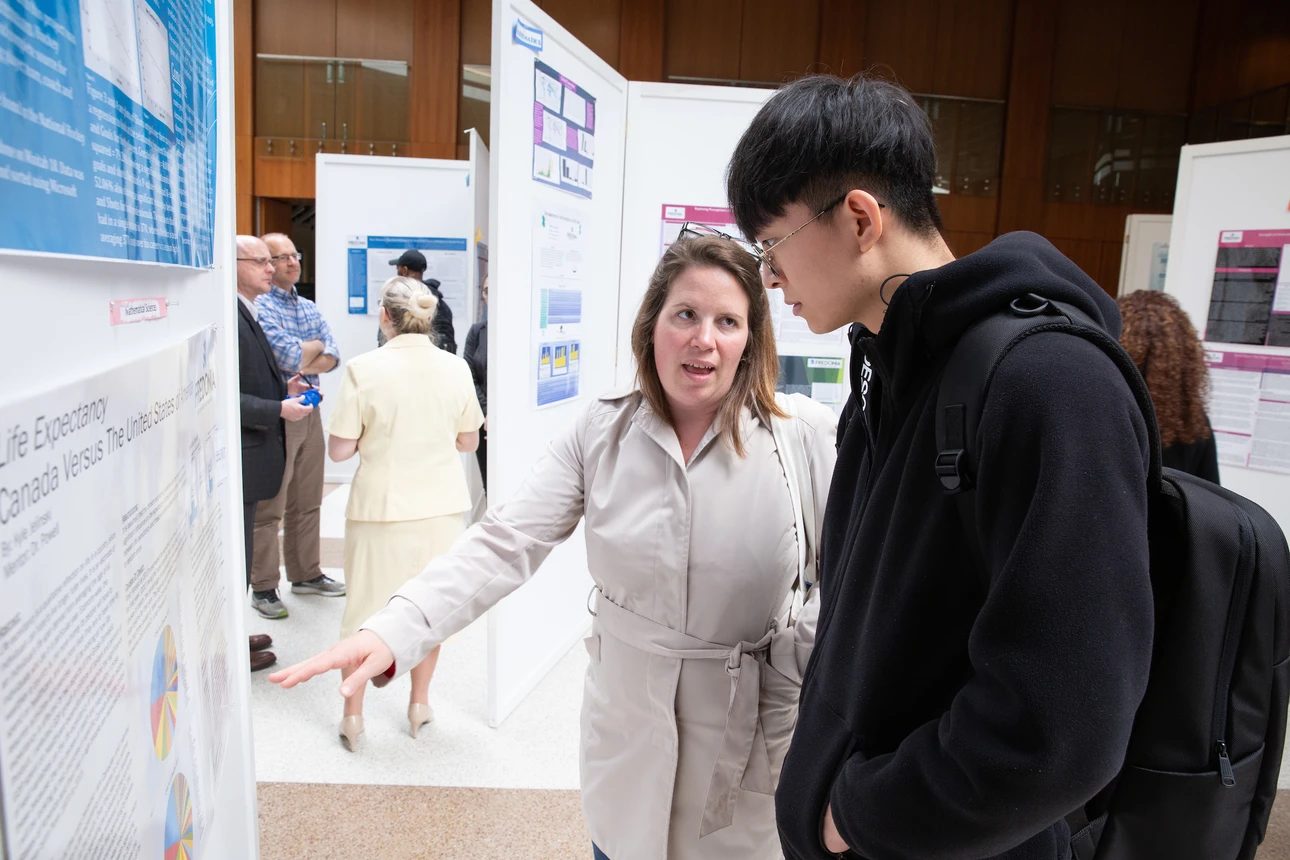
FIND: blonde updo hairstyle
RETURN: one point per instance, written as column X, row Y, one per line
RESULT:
column 410, row 305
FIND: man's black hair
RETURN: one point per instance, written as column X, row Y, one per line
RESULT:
column 821, row 136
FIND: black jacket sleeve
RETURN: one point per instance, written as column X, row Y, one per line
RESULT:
column 477, row 373
column 259, row 413
column 1061, row 649
column 445, row 335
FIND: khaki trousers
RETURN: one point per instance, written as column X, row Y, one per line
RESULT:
column 298, row 503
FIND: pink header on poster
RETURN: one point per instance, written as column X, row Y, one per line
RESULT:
column 703, row 214
column 1229, row 271
column 122, row 311
column 1253, row 238
column 1222, row 360
column 568, row 83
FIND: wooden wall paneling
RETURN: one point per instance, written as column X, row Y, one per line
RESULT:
column 641, row 40
column 1085, row 253
column 477, row 32
column 780, row 41
column 900, row 42
column 375, row 30
column 973, row 38
column 244, row 113
column 964, row 243
column 275, row 215
column 595, row 23
column 435, row 79
column 842, row 32
column 302, row 28
column 1159, row 49
column 1109, row 271
column 702, row 39
column 968, row 214
column 1244, row 47
column 1025, row 133
column 1084, row 221
column 1090, row 37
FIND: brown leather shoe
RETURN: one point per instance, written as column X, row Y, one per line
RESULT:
column 262, row 660
column 260, row 641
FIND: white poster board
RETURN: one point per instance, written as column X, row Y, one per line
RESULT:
column 670, row 179
column 171, row 353
column 365, row 201
column 1234, row 195
column 1145, row 258
column 558, row 121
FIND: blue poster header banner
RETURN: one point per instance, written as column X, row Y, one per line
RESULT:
column 414, row 243
column 107, row 129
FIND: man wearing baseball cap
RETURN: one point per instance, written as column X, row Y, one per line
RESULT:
column 412, row 264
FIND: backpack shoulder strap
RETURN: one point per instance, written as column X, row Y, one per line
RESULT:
column 965, row 384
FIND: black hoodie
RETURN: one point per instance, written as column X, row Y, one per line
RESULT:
column 950, row 713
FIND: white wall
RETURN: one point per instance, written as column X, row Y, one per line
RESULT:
column 55, row 331
column 361, row 195
column 531, row 630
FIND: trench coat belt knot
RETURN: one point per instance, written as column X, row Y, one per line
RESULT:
column 744, row 663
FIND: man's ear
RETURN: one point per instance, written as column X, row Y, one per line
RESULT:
column 864, row 218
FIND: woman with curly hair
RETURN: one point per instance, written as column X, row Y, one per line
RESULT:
column 1164, row 345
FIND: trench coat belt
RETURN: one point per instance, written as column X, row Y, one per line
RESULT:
column 743, row 665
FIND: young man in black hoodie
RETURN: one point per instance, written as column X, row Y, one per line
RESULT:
column 948, row 711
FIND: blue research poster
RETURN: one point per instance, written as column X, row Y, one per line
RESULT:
column 107, row 128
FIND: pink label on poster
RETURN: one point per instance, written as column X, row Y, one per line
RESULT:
column 1221, row 359
column 537, row 122
column 121, row 311
column 702, row 214
column 1253, row 238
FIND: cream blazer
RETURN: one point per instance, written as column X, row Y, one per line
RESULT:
column 405, row 403
column 699, row 638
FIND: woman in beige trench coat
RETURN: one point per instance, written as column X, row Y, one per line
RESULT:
column 699, row 489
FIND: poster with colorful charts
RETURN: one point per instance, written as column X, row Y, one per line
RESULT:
column 564, row 132
column 180, row 837
column 165, row 694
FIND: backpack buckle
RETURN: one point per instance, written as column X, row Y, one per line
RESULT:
column 949, row 470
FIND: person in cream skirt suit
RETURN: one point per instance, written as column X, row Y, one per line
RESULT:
column 407, row 409
column 698, row 488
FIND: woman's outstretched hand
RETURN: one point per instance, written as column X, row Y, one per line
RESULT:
column 364, row 652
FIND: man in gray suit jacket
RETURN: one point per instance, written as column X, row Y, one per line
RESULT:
column 266, row 403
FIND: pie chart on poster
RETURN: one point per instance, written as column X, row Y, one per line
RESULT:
column 179, row 821
column 165, row 694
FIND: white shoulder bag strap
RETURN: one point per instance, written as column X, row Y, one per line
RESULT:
column 791, row 445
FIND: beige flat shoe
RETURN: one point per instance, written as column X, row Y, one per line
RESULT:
column 418, row 716
column 350, row 729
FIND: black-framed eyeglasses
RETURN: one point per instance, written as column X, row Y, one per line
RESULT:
column 698, row 230
column 284, row 257
column 259, row 261
column 768, row 245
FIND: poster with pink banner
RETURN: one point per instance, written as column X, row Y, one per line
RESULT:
column 1250, row 299
column 1249, row 409
column 564, row 131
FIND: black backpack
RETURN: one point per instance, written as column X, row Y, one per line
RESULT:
column 1201, row 770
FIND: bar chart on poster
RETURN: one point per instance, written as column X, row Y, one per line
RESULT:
column 107, row 144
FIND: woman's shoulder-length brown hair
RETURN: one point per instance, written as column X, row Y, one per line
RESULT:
column 1159, row 337
column 758, row 370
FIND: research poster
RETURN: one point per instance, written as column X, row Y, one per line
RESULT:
column 560, row 241
column 371, row 263
column 819, row 377
column 107, row 128
column 1249, row 409
column 564, row 132
column 1250, row 300
column 114, row 611
column 791, row 331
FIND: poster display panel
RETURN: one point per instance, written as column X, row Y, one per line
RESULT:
column 371, row 262
column 1250, row 300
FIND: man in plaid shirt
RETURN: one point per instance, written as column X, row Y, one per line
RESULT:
column 303, row 344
